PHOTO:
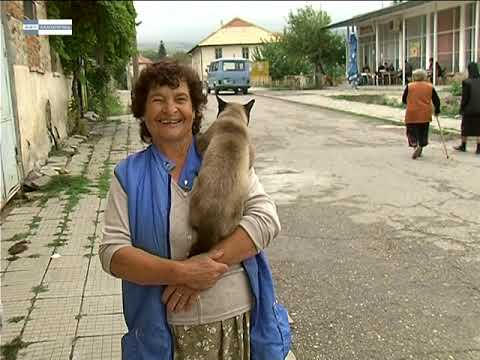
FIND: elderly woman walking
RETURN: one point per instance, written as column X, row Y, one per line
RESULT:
column 419, row 96
column 470, row 108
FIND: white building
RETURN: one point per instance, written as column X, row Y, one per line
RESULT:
column 236, row 39
column 447, row 31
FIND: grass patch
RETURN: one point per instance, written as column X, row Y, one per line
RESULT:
column 13, row 258
column 15, row 319
column 33, row 256
column 39, row 289
column 104, row 180
column 72, row 186
column 370, row 99
column 57, row 243
column 10, row 350
column 449, row 105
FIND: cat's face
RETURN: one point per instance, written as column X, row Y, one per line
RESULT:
column 245, row 108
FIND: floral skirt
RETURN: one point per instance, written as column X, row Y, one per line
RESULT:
column 222, row 340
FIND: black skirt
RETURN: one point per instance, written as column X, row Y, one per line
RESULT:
column 471, row 125
column 417, row 134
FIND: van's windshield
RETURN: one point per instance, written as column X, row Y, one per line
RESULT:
column 234, row 66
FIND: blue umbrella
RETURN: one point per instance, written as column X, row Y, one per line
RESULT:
column 352, row 65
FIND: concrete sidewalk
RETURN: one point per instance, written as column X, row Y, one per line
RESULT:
column 58, row 303
column 321, row 98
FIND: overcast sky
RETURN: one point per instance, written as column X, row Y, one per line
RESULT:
column 191, row 21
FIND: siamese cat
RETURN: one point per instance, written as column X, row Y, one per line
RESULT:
column 221, row 187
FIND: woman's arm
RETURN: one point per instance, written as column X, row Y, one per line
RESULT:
column 405, row 95
column 121, row 259
column 465, row 96
column 259, row 226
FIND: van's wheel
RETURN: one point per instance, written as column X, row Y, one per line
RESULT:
column 235, row 91
column 245, row 90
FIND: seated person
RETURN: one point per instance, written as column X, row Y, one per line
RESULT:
column 366, row 69
column 408, row 72
column 365, row 75
column 438, row 69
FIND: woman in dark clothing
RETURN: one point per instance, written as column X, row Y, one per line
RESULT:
column 470, row 108
column 419, row 96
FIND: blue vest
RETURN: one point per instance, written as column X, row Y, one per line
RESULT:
column 145, row 178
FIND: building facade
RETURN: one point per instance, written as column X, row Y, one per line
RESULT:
column 447, row 31
column 35, row 95
column 236, row 39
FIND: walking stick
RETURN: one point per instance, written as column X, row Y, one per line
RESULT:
column 441, row 136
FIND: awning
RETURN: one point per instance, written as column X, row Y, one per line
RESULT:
column 377, row 13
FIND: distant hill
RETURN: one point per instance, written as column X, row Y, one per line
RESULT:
column 171, row 46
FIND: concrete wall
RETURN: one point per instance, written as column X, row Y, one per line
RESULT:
column 35, row 85
column 33, row 90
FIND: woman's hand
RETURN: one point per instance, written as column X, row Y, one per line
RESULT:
column 202, row 271
column 179, row 298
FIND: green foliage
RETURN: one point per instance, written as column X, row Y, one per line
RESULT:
column 306, row 35
column 281, row 62
column 114, row 105
column 162, row 52
column 102, row 42
column 10, row 350
column 150, row 54
column 456, row 88
column 305, row 47
column 182, row 57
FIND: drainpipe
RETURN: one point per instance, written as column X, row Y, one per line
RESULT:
column 428, row 51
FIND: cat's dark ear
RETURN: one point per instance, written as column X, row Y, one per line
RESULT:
column 248, row 106
column 221, row 104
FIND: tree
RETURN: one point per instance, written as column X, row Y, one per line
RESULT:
column 182, row 57
column 281, row 62
column 151, row 54
column 306, row 35
column 162, row 52
column 102, row 43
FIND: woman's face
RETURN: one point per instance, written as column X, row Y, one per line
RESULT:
column 169, row 113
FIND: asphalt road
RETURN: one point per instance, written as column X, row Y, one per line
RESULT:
column 379, row 254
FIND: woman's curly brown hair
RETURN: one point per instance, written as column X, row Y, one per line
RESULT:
column 167, row 72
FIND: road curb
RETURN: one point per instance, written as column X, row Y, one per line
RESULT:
column 390, row 121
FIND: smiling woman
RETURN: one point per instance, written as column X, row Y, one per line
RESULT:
column 216, row 305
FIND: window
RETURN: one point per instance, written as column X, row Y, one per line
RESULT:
column 30, row 10
column 218, row 53
column 448, row 32
column 233, row 66
column 245, row 53
column 469, row 33
column 415, row 42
